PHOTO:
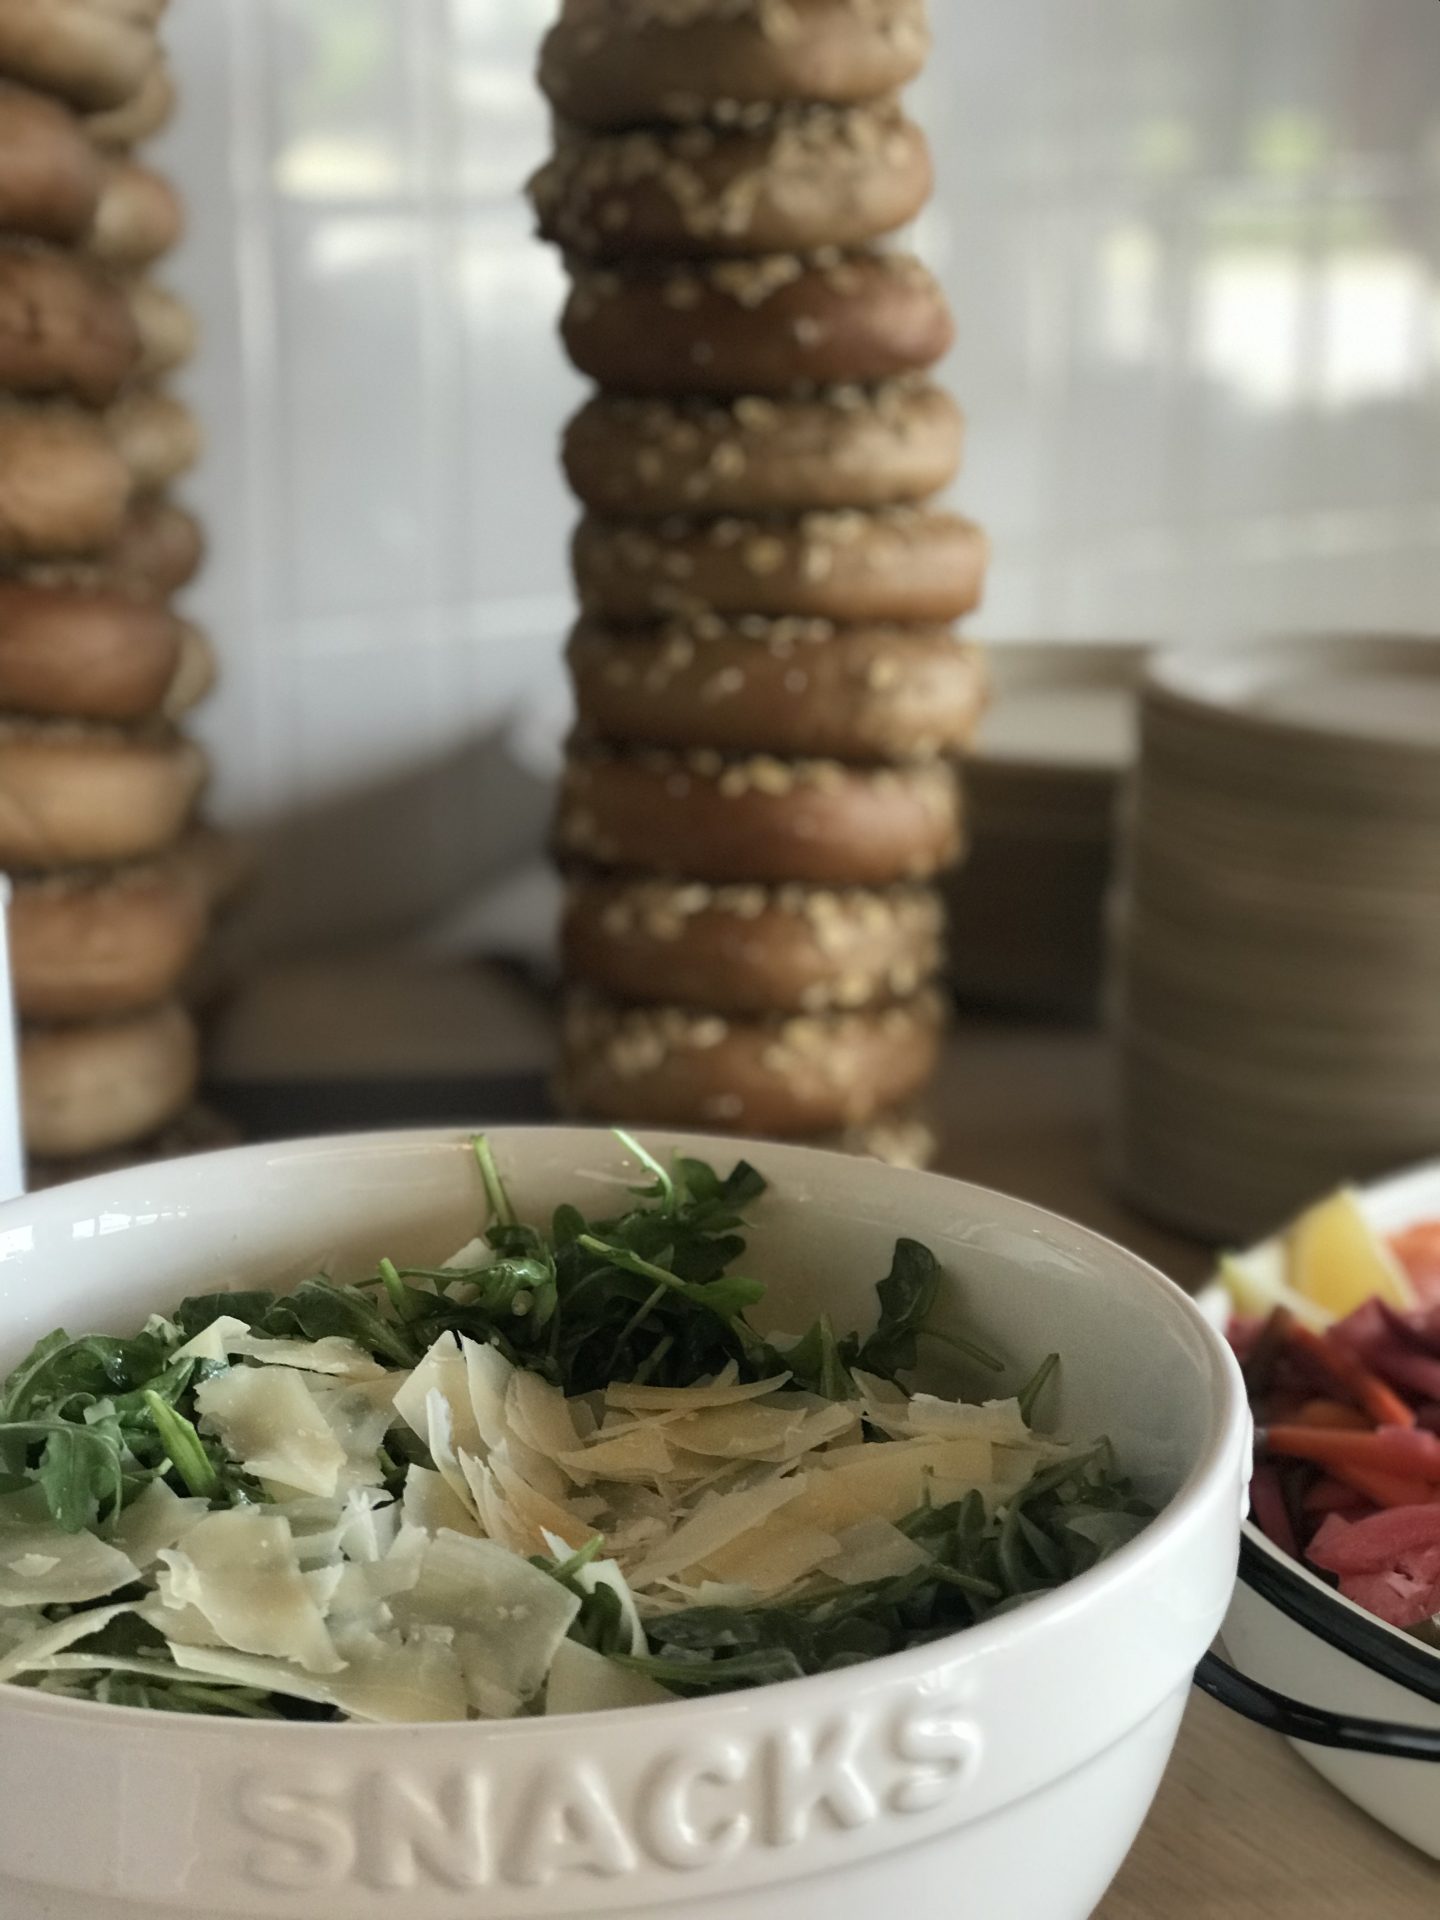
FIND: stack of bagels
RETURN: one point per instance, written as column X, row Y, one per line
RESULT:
column 112, row 888
column 760, row 790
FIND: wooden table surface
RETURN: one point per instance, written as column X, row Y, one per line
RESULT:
column 1242, row 1829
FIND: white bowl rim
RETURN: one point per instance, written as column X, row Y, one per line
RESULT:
column 1229, row 1410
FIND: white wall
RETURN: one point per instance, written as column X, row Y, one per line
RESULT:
column 1195, row 250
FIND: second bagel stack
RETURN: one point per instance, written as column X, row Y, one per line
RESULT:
column 760, row 787
column 97, row 786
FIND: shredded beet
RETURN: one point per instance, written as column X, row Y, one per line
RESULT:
column 1347, row 1471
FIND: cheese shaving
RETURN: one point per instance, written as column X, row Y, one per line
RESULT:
column 41, row 1567
column 239, row 1569
column 43, row 1645
column 269, row 1419
column 583, row 1681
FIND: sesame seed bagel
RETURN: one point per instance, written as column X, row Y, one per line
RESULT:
column 93, row 943
column 759, row 326
column 788, row 1075
column 747, row 949
column 159, row 548
column 68, row 652
column 196, row 1130
column 811, row 177
column 139, row 218
column 145, row 113
column 74, row 795
column 49, row 172
column 167, row 329
column 221, row 864
column 156, row 435
column 63, row 486
column 147, row 11
column 65, row 327
column 616, row 63
column 896, row 563
column 88, row 1089
column 196, row 672
column 758, row 819
column 846, row 447
column 900, row 1139
column 92, row 56
column 797, row 687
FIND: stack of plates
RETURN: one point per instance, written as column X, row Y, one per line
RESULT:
column 1042, row 785
column 1276, row 996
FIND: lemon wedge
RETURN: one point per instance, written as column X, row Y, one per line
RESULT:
column 1257, row 1283
column 1337, row 1261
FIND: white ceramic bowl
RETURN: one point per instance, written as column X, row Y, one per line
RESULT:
column 1008, row 1767
column 1331, row 1669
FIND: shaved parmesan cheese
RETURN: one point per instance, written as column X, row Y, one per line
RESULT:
column 514, row 1512
column 875, row 1550
column 155, row 1519
column 507, row 1616
column 251, row 1670
column 211, row 1343
column 720, row 1519
column 368, row 1525
column 442, row 1371
column 227, row 1336
column 605, row 1573
column 387, row 1679
column 886, row 1406
column 875, row 1388
column 268, row 1418
column 333, row 1355
column 240, row 1570
column 772, row 1557
column 999, row 1421
column 40, row 1647
column 475, row 1253
column 183, row 1626
column 42, row 1567
column 440, row 1431
column 725, row 1392
column 766, row 1433
column 359, row 1413
column 487, row 1377
column 583, row 1681
column 888, row 1482
column 538, row 1415
column 430, row 1504
column 640, row 1453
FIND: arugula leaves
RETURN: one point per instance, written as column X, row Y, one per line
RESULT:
column 1061, row 1524
column 649, row 1294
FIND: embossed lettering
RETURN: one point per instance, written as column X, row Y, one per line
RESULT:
column 672, row 1829
column 567, row 1825
column 412, row 1835
column 817, row 1779
column 309, row 1840
column 940, row 1747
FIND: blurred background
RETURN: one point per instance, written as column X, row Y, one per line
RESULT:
column 1194, row 247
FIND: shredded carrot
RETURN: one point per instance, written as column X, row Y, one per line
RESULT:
column 1330, row 1413
column 1378, row 1399
column 1386, row 1489
column 1405, row 1451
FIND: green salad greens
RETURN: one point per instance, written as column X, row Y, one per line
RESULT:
column 565, row 1470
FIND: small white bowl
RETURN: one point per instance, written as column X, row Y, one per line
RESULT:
column 1007, row 1768
column 1325, row 1667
